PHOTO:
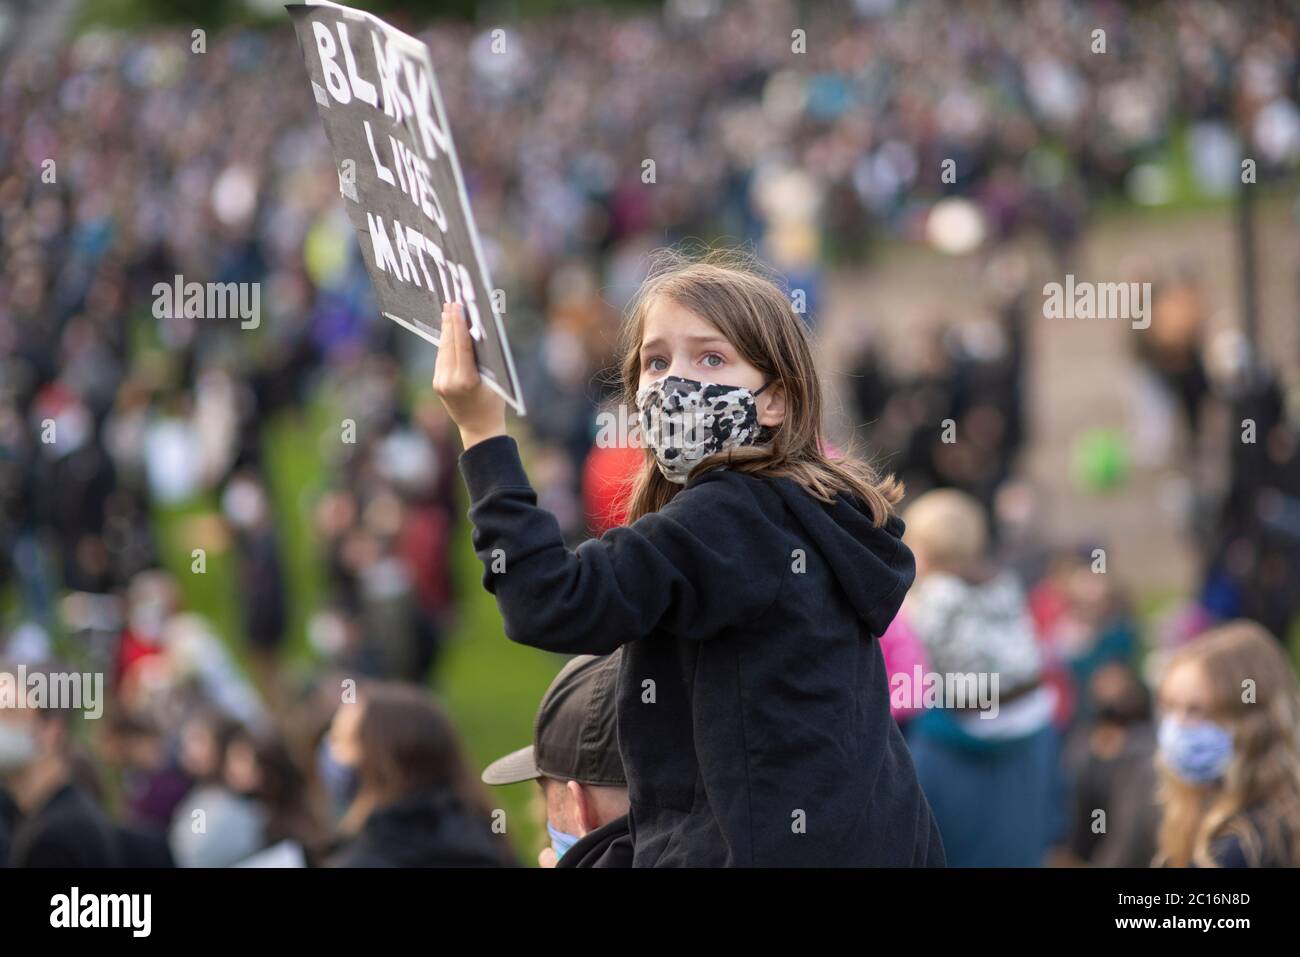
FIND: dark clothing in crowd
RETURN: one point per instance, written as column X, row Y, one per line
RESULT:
column 69, row 830
column 8, row 821
column 1124, row 786
column 423, row 830
column 262, row 578
column 152, row 796
column 1252, row 843
column 609, row 845
column 143, row 847
column 69, row 499
column 1254, row 562
column 753, row 705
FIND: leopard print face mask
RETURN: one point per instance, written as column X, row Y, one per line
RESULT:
column 684, row 421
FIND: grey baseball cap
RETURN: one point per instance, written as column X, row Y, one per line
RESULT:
column 575, row 734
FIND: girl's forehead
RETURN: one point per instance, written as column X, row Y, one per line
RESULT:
column 667, row 320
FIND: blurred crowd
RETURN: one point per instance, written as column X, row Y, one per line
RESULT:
column 128, row 159
column 1086, row 757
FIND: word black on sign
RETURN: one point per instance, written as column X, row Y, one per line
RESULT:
column 399, row 176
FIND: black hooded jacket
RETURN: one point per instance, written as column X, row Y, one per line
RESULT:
column 753, row 704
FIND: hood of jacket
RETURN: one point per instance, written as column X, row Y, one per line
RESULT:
column 870, row 562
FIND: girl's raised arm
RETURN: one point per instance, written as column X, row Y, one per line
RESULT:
column 708, row 560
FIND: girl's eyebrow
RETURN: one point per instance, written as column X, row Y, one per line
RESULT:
column 710, row 337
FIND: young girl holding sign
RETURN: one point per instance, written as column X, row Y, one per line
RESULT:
column 749, row 587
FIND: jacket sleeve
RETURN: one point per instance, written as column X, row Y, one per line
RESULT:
column 708, row 560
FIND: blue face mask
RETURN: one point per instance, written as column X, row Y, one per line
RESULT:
column 1198, row 753
column 339, row 780
column 560, row 841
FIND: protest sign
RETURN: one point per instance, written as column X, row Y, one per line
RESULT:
column 401, row 181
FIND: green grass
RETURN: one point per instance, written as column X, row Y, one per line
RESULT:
column 212, row 590
column 493, row 687
column 296, row 477
column 11, row 605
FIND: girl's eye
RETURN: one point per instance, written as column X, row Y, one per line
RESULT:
column 651, row 364
column 713, row 365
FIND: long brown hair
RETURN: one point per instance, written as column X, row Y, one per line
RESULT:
column 730, row 289
column 1264, row 776
column 408, row 745
column 292, row 812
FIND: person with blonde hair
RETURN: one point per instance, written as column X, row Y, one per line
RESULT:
column 1228, row 759
column 991, row 766
column 948, row 532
